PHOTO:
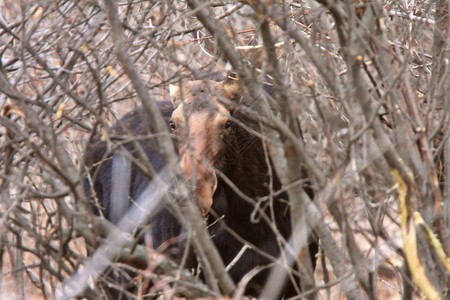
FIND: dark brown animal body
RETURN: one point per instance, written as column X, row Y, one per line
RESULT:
column 217, row 142
column 213, row 144
column 99, row 159
column 99, row 185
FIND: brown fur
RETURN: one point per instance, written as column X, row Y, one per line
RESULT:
column 206, row 119
column 211, row 143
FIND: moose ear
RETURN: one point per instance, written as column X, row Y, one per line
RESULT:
column 229, row 88
column 175, row 95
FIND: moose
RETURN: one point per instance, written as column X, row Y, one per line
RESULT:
column 219, row 152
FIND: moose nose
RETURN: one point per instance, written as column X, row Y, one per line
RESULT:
column 205, row 180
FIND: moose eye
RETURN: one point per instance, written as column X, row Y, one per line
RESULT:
column 227, row 124
column 172, row 125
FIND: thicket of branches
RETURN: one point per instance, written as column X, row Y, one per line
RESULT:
column 367, row 80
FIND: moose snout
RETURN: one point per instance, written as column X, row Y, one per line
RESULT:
column 204, row 178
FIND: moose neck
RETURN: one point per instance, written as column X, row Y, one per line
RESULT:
column 249, row 165
column 248, row 170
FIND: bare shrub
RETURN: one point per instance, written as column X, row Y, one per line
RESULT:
column 366, row 80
